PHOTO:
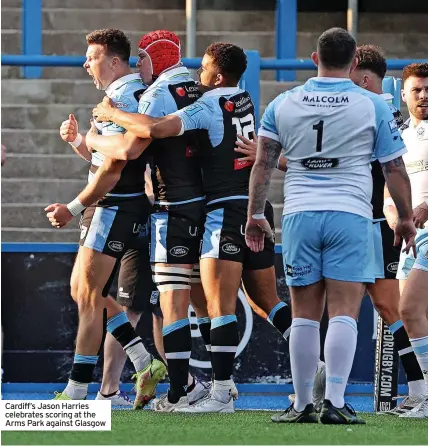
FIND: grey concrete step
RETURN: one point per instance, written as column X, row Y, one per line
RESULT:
column 39, row 235
column 143, row 20
column 45, row 165
column 35, row 116
column 40, row 190
column 34, row 141
column 24, row 215
column 43, row 91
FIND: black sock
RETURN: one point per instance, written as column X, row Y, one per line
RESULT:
column 110, row 394
column 224, row 343
column 177, row 341
column 204, row 324
column 280, row 318
column 410, row 363
column 122, row 330
column 83, row 368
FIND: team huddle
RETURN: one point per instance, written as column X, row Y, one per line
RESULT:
column 209, row 228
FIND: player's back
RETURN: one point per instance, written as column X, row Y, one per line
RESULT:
column 329, row 129
column 125, row 93
column 229, row 112
column 177, row 172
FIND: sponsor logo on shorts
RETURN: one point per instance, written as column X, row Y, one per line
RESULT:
column 154, row 298
column 83, row 231
column 179, row 251
column 116, row 246
column 392, row 267
column 230, row 248
column 123, row 293
column 298, row 271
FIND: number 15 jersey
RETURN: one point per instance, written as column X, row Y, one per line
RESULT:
column 330, row 130
column 223, row 113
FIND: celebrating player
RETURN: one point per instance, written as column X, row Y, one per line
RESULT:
column 329, row 129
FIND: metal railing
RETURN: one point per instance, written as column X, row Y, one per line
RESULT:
column 250, row 81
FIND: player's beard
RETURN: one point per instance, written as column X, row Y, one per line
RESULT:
column 419, row 112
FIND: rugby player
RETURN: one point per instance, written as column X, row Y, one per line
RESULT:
column 108, row 227
column 329, row 128
column 177, row 218
column 413, row 269
column 385, row 293
column 223, row 111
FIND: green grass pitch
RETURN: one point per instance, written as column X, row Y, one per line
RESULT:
column 243, row 427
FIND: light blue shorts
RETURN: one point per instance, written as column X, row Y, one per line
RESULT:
column 408, row 261
column 327, row 244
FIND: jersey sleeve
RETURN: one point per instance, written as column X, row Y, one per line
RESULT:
column 152, row 103
column 268, row 123
column 198, row 115
column 388, row 143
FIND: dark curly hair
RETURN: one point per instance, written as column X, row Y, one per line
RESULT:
column 415, row 69
column 115, row 41
column 370, row 57
column 229, row 59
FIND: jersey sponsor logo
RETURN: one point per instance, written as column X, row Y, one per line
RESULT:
column 239, row 164
column 180, row 91
column 230, row 248
column 325, row 100
column 116, row 246
column 420, row 133
column 193, row 109
column 229, row 106
column 179, row 251
column 392, row 267
column 121, row 105
column 393, row 125
column 319, row 163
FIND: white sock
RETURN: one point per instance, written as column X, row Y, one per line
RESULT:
column 222, row 390
column 75, row 390
column 339, row 352
column 418, row 388
column 304, row 356
column 139, row 356
column 420, row 347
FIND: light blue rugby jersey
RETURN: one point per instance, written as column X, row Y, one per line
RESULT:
column 125, row 92
column 330, row 129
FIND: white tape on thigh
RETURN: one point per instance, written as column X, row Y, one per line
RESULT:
column 196, row 274
column 169, row 278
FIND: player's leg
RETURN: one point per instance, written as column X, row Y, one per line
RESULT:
column 174, row 251
column 347, row 259
column 385, row 295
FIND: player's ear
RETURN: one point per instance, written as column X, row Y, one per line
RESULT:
column 114, row 62
column 403, row 95
column 314, row 57
column 354, row 64
column 219, row 80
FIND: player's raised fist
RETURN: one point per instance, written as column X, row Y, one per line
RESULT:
column 69, row 129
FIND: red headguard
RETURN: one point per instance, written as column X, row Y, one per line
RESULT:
column 162, row 48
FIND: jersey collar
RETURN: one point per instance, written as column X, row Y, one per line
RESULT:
column 222, row 91
column 179, row 71
column 121, row 81
column 330, row 80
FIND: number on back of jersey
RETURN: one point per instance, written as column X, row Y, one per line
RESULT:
column 244, row 126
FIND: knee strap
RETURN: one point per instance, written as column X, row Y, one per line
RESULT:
column 169, row 278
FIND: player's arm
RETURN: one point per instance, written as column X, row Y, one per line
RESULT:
column 106, row 177
column 121, row 146
column 69, row 132
column 389, row 209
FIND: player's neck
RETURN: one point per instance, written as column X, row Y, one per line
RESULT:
column 415, row 120
column 341, row 74
column 121, row 73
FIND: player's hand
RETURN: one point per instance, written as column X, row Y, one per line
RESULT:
column 91, row 132
column 104, row 110
column 405, row 229
column 391, row 215
column 58, row 214
column 247, row 147
column 255, row 233
column 420, row 215
column 69, row 129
